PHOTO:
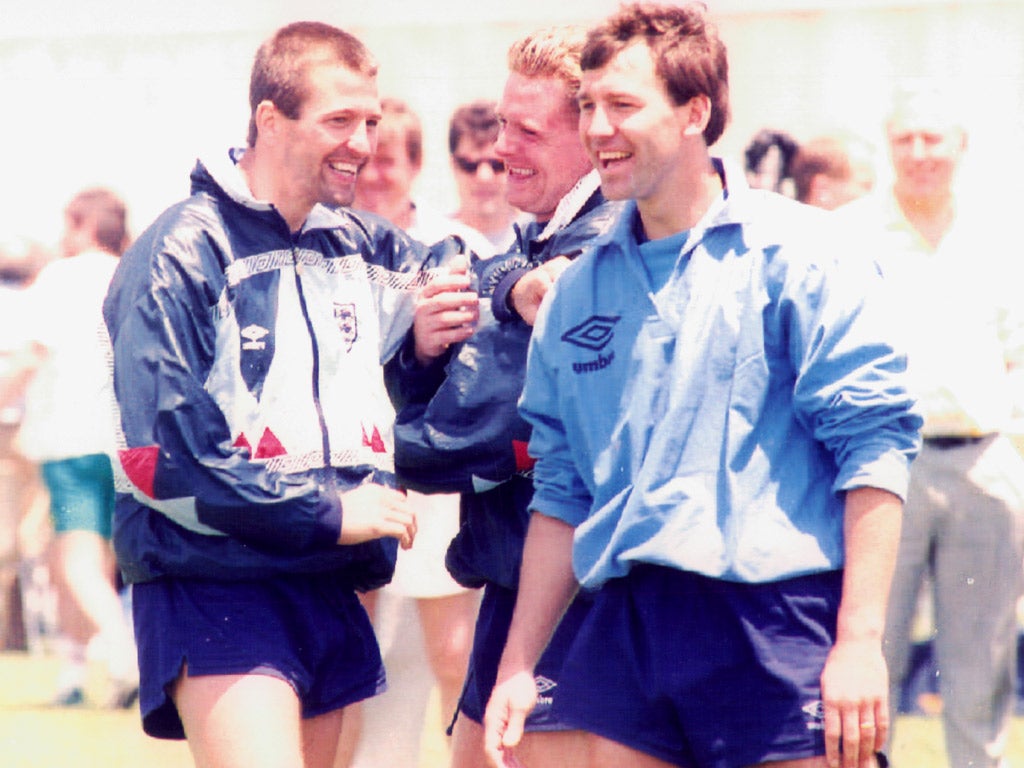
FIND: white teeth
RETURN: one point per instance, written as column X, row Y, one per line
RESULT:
column 521, row 171
column 609, row 156
column 345, row 167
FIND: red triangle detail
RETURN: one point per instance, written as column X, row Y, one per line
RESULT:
column 524, row 460
column 139, row 464
column 374, row 442
column 269, row 446
column 242, row 442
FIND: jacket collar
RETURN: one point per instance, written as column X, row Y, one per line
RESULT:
column 571, row 204
column 221, row 174
column 736, row 205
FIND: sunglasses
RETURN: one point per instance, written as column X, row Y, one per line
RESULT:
column 470, row 166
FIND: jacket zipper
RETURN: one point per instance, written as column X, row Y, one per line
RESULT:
column 326, row 446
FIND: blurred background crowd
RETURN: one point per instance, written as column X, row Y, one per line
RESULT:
column 127, row 94
column 124, row 96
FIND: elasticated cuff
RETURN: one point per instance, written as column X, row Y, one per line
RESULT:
column 501, row 305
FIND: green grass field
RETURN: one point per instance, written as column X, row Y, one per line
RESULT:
column 33, row 735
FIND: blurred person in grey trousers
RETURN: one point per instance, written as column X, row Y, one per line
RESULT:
column 947, row 255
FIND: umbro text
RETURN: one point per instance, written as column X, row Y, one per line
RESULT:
column 602, row 361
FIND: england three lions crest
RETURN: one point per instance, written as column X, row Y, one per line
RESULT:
column 345, row 317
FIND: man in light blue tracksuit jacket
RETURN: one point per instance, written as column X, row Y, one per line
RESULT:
column 723, row 435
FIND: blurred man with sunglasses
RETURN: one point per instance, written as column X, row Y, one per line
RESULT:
column 480, row 176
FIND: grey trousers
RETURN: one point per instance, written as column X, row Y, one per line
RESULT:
column 963, row 528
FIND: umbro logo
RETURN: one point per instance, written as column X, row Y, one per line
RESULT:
column 593, row 333
column 253, row 335
column 814, row 715
column 544, row 684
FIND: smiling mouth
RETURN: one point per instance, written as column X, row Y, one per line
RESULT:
column 520, row 173
column 606, row 159
column 345, row 168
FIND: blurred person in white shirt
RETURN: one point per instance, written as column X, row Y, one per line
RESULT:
column 68, row 431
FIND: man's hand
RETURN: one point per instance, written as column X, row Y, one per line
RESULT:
column 511, row 701
column 371, row 511
column 855, row 682
column 855, row 692
column 447, row 311
column 531, row 288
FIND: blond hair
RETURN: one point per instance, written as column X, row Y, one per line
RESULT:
column 552, row 52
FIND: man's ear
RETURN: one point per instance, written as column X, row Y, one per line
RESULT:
column 696, row 114
column 267, row 119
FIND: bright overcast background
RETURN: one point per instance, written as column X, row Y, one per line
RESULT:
column 127, row 93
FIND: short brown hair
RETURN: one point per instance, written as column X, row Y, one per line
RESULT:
column 477, row 120
column 688, row 55
column 282, row 62
column 108, row 214
column 832, row 156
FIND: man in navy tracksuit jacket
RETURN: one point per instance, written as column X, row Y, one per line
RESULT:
column 248, row 327
column 459, row 429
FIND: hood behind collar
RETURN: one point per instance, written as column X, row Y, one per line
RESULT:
column 220, row 173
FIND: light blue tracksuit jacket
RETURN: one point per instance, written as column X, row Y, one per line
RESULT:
column 714, row 424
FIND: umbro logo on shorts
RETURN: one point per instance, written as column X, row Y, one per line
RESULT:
column 814, row 714
column 253, row 335
column 544, row 686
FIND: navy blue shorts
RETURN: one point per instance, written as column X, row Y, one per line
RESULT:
column 81, row 492
column 488, row 644
column 308, row 630
column 704, row 673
